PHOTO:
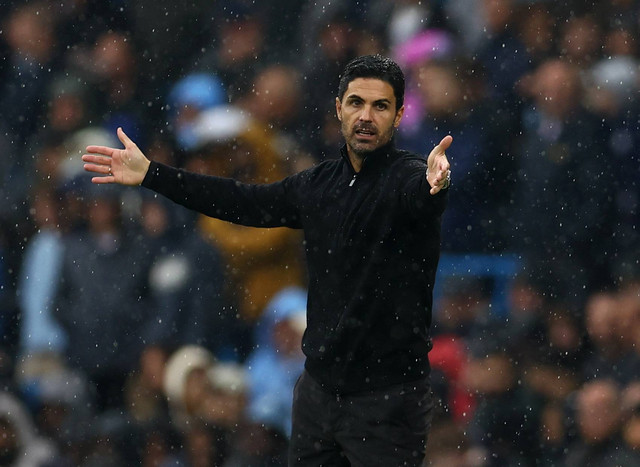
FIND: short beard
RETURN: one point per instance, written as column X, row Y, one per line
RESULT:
column 362, row 153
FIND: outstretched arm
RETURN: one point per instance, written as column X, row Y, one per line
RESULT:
column 126, row 166
column 438, row 166
column 264, row 205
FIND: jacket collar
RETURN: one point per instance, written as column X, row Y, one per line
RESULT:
column 382, row 156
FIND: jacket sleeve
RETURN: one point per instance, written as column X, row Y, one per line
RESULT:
column 255, row 205
column 416, row 199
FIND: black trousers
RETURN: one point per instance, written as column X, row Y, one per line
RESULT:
column 383, row 427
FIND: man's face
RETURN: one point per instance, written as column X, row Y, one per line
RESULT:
column 368, row 115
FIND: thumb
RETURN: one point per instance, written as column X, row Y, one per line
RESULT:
column 126, row 141
column 444, row 145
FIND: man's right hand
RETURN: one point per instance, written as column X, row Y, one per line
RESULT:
column 126, row 166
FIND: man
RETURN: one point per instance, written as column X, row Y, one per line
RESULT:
column 371, row 221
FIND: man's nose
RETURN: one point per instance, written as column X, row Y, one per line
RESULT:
column 365, row 115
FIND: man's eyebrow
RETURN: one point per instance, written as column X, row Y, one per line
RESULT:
column 382, row 101
column 379, row 101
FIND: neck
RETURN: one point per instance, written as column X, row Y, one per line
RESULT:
column 355, row 159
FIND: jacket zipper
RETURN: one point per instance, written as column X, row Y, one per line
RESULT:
column 353, row 180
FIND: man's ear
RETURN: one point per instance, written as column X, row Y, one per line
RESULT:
column 339, row 108
column 398, row 118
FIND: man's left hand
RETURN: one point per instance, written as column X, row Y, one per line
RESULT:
column 438, row 167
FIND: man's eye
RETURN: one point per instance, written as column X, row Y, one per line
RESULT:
column 382, row 106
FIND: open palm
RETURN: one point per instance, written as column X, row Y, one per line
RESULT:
column 126, row 166
column 438, row 165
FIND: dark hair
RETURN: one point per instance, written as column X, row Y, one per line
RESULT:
column 374, row 66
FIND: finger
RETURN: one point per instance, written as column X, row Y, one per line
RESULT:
column 99, row 169
column 93, row 168
column 444, row 144
column 102, row 160
column 124, row 139
column 104, row 150
column 444, row 166
column 102, row 180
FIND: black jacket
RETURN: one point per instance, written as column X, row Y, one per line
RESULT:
column 372, row 242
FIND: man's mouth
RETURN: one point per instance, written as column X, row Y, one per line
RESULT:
column 365, row 132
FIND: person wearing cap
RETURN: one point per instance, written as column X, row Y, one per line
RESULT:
column 371, row 220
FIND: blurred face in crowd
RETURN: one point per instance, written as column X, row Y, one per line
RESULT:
column 581, row 39
column 368, row 115
column 631, row 429
column 276, row 94
column 557, row 88
column 441, row 90
column 287, row 335
column 113, row 56
column 497, row 13
column 598, row 411
column 490, row 375
column 601, row 319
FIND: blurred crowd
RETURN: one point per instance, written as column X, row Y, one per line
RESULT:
column 133, row 332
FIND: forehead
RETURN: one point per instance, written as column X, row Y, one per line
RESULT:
column 370, row 89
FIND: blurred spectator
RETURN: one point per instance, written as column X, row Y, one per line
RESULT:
column 275, row 102
column 448, row 446
column 160, row 448
column 199, row 388
column 610, row 334
column 631, row 420
column 412, row 55
column 29, row 35
column 156, row 26
column 186, row 285
column 580, row 41
column 42, row 338
column 463, row 324
column 451, row 102
column 613, row 85
column 552, row 434
column 20, row 445
column 144, row 391
column 204, row 446
column 401, row 20
column 115, row 75
column 463, row 309
column 258, row 444
column 61, row 402
column 614, row 78
column 526, row 313
column 104, row 319
column 187, row 98
column 501, row 53
column 31, row 40
column 599, row 419
column 272, row 371
column 536, row 29
column 239, row 48
column 260, row 261
column 506, row 415
column 277, row 361
column 38, row 282
column 467, row 22
column 553, row 367
column 561, row 165
column 70, row 103
column 328, row 44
